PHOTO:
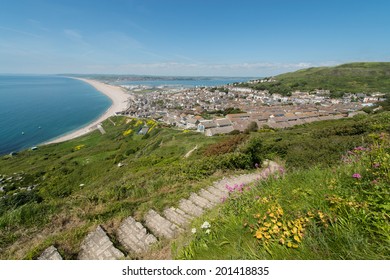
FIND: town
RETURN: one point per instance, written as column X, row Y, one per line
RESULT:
column 202, row 108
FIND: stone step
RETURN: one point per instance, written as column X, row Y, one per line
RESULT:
column 50, row 253
column 190, row 208
column 216, row 192
column 160, row 226
column 134, row 237
column 98, row 246
column 200, row 201
column 209, row 196
column 177, row 216
column 222, row 187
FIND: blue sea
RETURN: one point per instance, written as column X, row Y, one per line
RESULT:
column 35, row 109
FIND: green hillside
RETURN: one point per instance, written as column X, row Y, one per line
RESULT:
column 361, row 77
column 58, row 193
column 327, row 204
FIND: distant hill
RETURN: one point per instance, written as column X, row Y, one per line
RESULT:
column 361, row 77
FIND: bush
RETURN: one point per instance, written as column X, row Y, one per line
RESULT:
column 227, row 146
column 254, row 149
column 252, row 127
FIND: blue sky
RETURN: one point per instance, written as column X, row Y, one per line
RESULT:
column 189, row 37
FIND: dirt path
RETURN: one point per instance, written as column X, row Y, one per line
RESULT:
column 190, row 152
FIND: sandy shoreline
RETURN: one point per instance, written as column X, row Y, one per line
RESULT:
column 119, row 103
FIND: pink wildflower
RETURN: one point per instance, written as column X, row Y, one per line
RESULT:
column 357, row 176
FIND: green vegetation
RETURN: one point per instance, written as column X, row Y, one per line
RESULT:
column 338, row 212
column 58, row 193
column 362, row 77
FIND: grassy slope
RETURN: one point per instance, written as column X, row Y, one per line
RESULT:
column 347, row 218
column 62, row 210
column 155, row 174
column 359, row 77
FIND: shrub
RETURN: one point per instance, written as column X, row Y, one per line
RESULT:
column 254, row 149
column 227, row 146
column 252, row 127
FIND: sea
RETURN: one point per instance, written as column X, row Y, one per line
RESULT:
column 35, row 109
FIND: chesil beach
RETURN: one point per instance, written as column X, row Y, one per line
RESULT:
column 119, row 103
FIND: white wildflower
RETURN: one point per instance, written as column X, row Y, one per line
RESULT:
column 208, row 231
column 206, row 225
column 193, row 230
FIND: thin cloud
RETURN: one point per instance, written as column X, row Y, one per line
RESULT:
column 20, row 32
column 38, row 25
column 73, row 34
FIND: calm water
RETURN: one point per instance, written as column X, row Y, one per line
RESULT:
column 35, row 109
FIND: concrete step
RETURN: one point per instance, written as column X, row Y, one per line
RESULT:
column 218, row 193
column 50, row 253
column 98, row 246
column 160, row 226
column 177, row 216
column 134, row 237
column 200, row 201
column 209, row 196
column 190, row 208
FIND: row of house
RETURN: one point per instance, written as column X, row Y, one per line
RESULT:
column 271, row 117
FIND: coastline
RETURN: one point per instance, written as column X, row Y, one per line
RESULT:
column 119, row 103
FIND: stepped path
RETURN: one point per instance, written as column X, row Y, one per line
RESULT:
column 137, row 237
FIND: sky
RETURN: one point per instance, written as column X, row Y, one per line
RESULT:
column 248, row 38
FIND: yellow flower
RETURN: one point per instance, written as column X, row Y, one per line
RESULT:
column 127, row 132
column 297, row 239
column 79, row 147
column 259, row 234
